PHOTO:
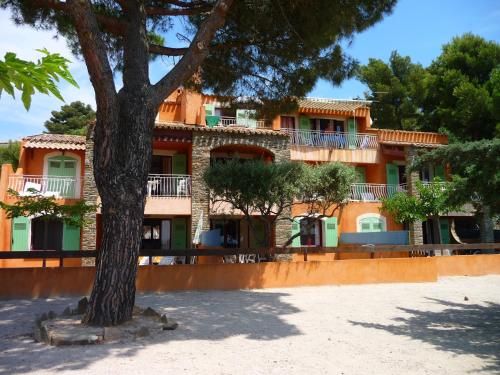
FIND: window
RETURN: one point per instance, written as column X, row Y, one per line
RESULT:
column 309, row 232
column 338, row 126
column 46, row 234
column 229, row 232
column 161, row 165
column 287, row 122
column 371, row 223
column 151, row 234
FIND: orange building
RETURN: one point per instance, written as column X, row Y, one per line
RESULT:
column 191, row 130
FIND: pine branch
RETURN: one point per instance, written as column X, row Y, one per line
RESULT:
column 196, row 53
column 166, row 51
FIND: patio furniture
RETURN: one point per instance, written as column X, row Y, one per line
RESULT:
column 31, row 188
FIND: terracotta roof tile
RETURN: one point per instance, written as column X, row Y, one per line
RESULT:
column 55, row 141
column 219, row 129
column 332, row 104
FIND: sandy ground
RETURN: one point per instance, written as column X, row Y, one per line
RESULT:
column 423, row 328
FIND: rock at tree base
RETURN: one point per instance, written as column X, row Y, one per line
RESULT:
column 82, row 306
column 68, row 330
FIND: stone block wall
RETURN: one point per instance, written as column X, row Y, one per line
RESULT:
column 416, row 231
column 90, row 195
column 203, row 143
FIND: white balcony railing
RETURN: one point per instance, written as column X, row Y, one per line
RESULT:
column 232, row 121
column 338, row 140
column 169, row 185
column 374, row 192
column 56, row 186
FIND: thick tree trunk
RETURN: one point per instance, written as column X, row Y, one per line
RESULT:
column 122, row 156
column 486, row 225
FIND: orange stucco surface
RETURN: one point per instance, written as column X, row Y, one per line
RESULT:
column 50, row 282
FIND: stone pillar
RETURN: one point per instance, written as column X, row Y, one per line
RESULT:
column 200, row 199
column 89, row 195
column 416, row 232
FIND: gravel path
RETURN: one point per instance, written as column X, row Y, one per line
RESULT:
column 423, row 328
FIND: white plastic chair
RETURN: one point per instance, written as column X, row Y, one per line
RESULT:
column 182, row 187
column 31, row 186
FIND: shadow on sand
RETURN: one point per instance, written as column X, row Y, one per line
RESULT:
column 460, row 328
column 202, row 316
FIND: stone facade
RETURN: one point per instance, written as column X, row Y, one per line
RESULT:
column 415, row 229
column 203, row 143
column 90, row 195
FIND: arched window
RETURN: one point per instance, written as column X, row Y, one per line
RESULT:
column 371, row 223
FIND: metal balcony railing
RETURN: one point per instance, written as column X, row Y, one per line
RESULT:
column 233, row 121
column 169, row 185
column 338, row 140
column 374, row 192
column 55, row 186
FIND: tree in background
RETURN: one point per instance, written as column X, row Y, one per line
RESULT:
column 458, row 94
column 9, row 154
column 72, row 118
column 475, row 177
column 463, row 88
column 265, row 49
column 271, row 189
column 432, row 201
column 397, row 89
column 29, row 77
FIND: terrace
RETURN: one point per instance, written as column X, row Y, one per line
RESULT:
column 49, row 186
column 374, row 192
column 336, row 140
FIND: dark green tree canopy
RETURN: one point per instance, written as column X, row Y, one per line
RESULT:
column 9, row 154
column 72, row 118
column 269, row 49
column 397, row 89
column 462, row 84
column 475, row 171
column 458, row 94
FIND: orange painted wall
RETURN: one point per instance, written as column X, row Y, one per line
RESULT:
column 51, row 282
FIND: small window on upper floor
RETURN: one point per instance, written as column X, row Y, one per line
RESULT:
column 287, row 122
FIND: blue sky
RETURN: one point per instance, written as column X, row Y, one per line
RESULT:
column 417, row 28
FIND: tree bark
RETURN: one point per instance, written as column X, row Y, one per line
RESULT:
column 121, row 177
column 486, row 225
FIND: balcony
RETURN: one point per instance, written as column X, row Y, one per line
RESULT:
column 337, row 140
column 168, row 194
column 318, row 146
column 169, row 185
column 59, row 187
column 228, row 121
column 374, row 192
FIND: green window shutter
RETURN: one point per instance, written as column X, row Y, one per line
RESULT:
column 392, row 174
column 20, row 233
column 352, row 130
column 258, row 234
column 444, row 228
column 209, row 109
column 330, row 232
column 179, row 233
column 71, row 237
column 360, row 175
column 296, row 230
column 371, row 224
column 246, row 117
column 439, row 172
column 62, row 166
column 179, row 164
column 304, row 123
